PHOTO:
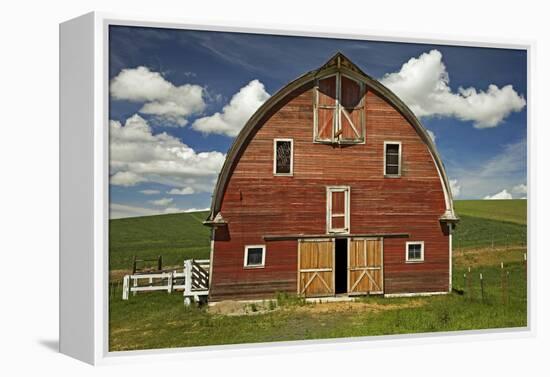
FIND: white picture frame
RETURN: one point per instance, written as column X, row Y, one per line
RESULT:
column 84, row 205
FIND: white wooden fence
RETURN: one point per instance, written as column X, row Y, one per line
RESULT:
column 193, row 280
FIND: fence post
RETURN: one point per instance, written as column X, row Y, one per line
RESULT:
column 481, row 285
column 470, row 290
column 126, row 287
column 502, row 283
column 135, row 284
column 507, row 285
column 464, row 285
column 170, row 282
column 188, row 275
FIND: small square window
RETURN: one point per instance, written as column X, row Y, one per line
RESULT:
column 254, row 256
column 415, row 251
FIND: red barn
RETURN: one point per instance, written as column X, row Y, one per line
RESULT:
column 333, row 187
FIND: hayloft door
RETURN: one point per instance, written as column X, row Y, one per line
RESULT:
column 316, row 267
column 365, row 266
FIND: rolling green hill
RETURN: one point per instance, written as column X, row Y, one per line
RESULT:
column 175, row 236
column 514, row 211
column 490, row 223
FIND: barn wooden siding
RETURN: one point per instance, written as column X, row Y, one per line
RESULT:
column 256, row 203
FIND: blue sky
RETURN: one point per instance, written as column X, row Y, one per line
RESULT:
column 179, row 97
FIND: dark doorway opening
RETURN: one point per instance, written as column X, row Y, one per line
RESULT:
column 341, row 266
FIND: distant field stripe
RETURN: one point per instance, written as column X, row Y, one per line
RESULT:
column 514, row 211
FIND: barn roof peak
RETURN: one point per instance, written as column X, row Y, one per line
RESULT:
column 339, row 60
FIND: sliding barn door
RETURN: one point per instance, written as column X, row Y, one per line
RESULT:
column 365, row 266
column 316, row 268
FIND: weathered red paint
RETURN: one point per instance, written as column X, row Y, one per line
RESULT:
column 257, row 203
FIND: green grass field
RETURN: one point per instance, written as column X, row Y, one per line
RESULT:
column 491, row 224
column 514, row 211
column 176, row 237
column 159, row 320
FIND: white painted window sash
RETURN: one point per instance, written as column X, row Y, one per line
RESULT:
column 410, row 243
column 347, row 192
column 275, row 173
column 246, row 248
column 398, row 143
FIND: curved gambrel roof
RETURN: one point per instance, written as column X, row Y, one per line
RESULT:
column 341, row 63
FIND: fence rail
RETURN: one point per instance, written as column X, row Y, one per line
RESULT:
column 490, row 285
column 193, row 280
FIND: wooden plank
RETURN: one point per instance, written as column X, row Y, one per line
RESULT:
column 275, row 237
column 260, row 208
column 316, row 272
column 365, row 266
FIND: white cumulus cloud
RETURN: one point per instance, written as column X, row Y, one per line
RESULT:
column 234, row 115
column 504, row 194
column 455, row 187
column 160, row 97
column 137, row 155
column 196, row 209
column 126, row 178
column 520, row 189
column 183, row 191
column 423, row 84
column 150, row 192
column 431, row 134
column 162, row 202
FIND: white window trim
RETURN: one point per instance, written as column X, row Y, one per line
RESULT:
column 398, row 161
column 421, row 243
column 275, row 158
column 347, row 196
column 245, row 265
column 337, row 120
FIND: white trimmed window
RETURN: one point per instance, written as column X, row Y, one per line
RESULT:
column 338, row 203
column 392, row 158
column 339, row 105
column 283, row 157
column 254, row 256
column 414, row 251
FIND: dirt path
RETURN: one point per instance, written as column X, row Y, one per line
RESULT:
column 236, row 308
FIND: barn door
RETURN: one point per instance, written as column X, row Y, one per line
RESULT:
column 365, row 266
column 351, row 110
column 316, row 268
column 326, row 108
